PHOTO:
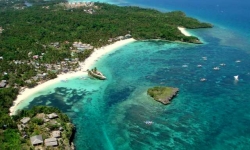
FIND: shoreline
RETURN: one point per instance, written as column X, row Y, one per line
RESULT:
column 184, row 31
column 81, row 71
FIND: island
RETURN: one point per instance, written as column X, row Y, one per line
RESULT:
column 45, row 128
column 163, row 94
column 96, row 74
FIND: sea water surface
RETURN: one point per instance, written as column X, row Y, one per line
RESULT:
column 214, row 114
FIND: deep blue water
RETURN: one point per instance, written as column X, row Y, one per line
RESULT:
column 205, row 115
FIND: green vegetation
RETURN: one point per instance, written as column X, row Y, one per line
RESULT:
column 11, row 138
column 38, row 125
column 162, row 94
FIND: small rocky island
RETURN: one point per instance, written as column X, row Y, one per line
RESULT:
column 45, row 127
column 96, row 74
column 163, row 94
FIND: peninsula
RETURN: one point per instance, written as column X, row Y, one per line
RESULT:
column 163, row 94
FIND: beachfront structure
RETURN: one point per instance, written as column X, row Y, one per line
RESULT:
column 3, row 83
column 127, row 36
column 82, row 46
column 52, row 115
column 56, row 134
column 36, row 140
column 51, row 142
column 119, row 38
column 25, row 120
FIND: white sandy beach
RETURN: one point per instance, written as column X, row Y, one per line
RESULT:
column 184, row 31
column 87, row 64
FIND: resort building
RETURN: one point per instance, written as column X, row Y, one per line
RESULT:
column 82, row 46
column 56, row 134
column 36, row 140
column 51, row 142
column 127, row 36
column 25, row 120
column 52, row 116
column 3, row 83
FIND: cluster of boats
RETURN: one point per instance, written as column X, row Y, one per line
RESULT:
column 217, row 68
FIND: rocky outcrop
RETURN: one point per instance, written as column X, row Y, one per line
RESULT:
column 163, row 94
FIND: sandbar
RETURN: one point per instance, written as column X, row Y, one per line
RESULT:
column 184, row 31
column 81, row 71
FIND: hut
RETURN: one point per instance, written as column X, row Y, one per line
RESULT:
column 25, row 120
column 3, row 83
column 51, row 142
column 52, row 115
column 56, row 134
column 36, row 140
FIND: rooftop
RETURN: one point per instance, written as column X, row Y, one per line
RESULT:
column 25, row 120
column 56, row 134
column 52, row 115
column 51, row 142
column 37, row 139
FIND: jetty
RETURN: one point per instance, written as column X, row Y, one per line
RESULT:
column 163, row 94
column 96, row 74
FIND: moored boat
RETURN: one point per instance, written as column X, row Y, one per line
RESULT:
column 96, row 74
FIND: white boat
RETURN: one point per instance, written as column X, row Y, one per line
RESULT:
column 237, row 61
column 203, row 79
column 223, row 64
column 216, row 68
column 204, row 58
column 148, row 122
column 199, row 66
column 236, row 77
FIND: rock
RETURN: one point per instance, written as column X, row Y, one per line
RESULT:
column 163, row 94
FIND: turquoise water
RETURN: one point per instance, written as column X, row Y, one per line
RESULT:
column 213, row 114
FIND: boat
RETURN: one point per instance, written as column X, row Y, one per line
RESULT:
column 216, row 68
column 96, row 74
column 223, row 64
column 204, row 58
column 236, row 77
column 203, row 79
column 237, row 61
column 148, row 122
column 199, row 66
